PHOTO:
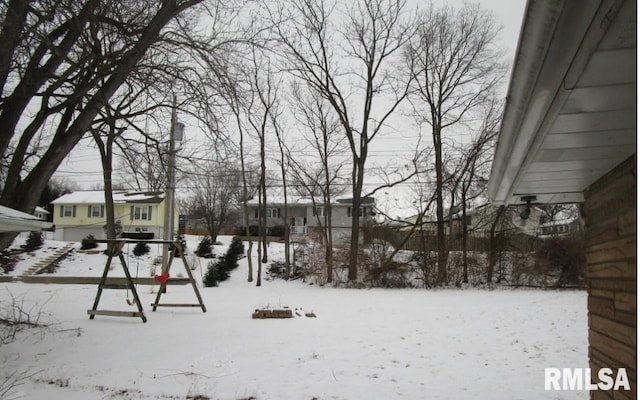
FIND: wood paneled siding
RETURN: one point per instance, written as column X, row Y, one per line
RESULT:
column 610, row 217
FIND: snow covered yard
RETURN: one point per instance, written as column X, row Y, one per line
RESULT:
column 364, row 344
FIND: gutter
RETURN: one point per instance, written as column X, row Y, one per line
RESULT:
column 551, row 36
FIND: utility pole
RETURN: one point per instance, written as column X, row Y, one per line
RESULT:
column 175, row 133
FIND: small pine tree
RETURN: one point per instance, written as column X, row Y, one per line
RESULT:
column 215, row 274
column 220, row 270
column 205, row 246
column 34, row 241
column 140, row 249
column 236, row 248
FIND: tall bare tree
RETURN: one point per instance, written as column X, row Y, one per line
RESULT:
column 322, row 135
column 61, row 64
column 469, row 177
column 215, row 188
column 346, row 53
column 261, row 112
column 455, row 66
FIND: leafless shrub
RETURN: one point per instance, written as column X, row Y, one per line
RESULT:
column 17, row 315
column 10, row 384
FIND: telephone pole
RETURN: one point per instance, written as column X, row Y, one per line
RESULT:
column 175, row 133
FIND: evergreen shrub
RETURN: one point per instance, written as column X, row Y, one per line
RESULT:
column 34, row 241
column 140, row 249
column 205, row 246
column 220, row 270
column 88, row 243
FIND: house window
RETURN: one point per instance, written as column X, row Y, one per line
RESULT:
column 319, row 211
column 141, row 213
column 68, row 211
column 270, row 212
column 361, row 213
column 96, row 211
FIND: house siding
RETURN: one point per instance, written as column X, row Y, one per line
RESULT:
column 81, row 225
column 610, row 219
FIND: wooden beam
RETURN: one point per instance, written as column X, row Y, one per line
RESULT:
column 94, row 280
column 111, row 313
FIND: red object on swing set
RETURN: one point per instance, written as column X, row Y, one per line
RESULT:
column 162, row 278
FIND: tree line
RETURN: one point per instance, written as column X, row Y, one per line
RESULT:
column 295, row 92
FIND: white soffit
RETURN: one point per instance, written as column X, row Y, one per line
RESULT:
column 571, row 117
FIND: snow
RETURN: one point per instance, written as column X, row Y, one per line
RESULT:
column 6, row 212
column 12, row 220
column 364, row 344
column 97, row 197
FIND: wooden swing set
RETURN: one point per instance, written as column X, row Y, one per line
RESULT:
column 115, row 247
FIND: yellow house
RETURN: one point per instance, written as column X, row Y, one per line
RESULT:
column 79, row 214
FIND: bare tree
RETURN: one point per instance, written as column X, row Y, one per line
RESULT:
column 142, row 164
column 350, row 75
column 215, row 186
column 261, row 112
column 61, row 63
column 455, row 66
column 323, row 136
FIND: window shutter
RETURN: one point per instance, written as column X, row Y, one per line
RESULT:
column 89, row 209
column 61, row 210
column 150, row 213
column 131, row 214
column 255, row 212
column 349, row 212
column 74, row 211
column 101, row 211
column 278, row 213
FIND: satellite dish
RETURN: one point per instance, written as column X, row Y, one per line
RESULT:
column 379, row 218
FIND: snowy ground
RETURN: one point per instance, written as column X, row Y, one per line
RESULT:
column 364, row 344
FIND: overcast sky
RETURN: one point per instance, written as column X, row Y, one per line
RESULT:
column 83, row 166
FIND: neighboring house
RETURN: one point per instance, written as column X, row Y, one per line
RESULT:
column 41, row 213
column 480, row 219
column 423, row 224
column 305, row 219
column 568, row 135
column 562, row 227
column 79, row 214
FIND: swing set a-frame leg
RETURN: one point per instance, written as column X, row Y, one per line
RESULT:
column 163, row 285
column 129, row 285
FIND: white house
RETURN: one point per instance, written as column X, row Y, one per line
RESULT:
column 307, row 218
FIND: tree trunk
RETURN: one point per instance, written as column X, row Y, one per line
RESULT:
column 465, row 261
column 358, row 176
column 443, row 253
column 494, row 244
column 106, row 156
